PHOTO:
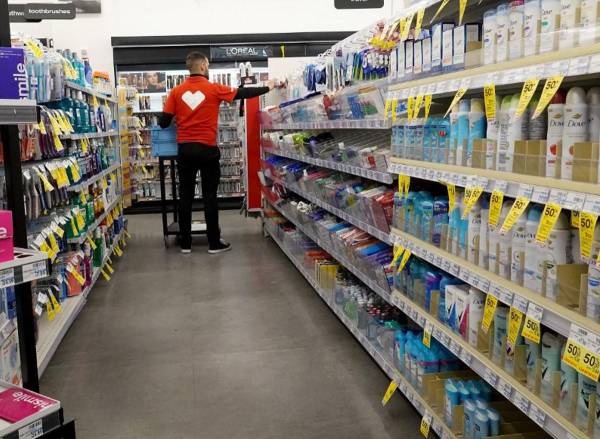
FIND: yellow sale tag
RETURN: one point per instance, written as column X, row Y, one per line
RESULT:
column 53, row 242
column 406, row 29
column 526, row 94
column 489, row 99
column 389, row 392
column 50, row 314
column 78, row 277
column 589, row 364
column 109, row 268
column 451, row 197
column 575, row 219
column 386, row 111
column 514, row 326
column 82, row 197
column 441, row 7
column 418, row 104
column 470, row 199
column 427, row 106
column 80, row 221
column 394, row 110
column 42, row 127
column 514, row 214
column 572, row 353
column 127, row 234
column 462, row 5
column 105, row 275
column 410, row 108
column 549, row 218
column 457, row 97
column 104, row 183
column 405, row 258
column 91, row 242
column 55, row 303
column 427, row 338
column 550, row 88
column 491, row 302
column 55, row 126
column 75, row 172
column 419, row 23
column 406, row 184
column 95, row 102
column 397, row 253
column 35, row 49
column 47, row 186
column 74, row 229
column 59, row 231
column 587, row 226
column 425, row 425
column 531, row 329
column 57, row 143
column 84, row 145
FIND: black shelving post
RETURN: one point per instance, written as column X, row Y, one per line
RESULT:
column 15, row 200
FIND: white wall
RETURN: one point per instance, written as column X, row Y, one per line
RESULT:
column 197, row 17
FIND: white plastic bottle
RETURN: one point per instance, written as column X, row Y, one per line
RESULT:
column 568, row 377
column 531, row 27
column 593, row 101
column 588, row 33
column 516, row 19
column 463, row 132
column 504, row 245
column 530, row 280
column 587, row 388
column 476, row 305
column 514, row 128
column 489, row 37
column 518, row 250
column 484, row 234
column 502, row 145
column 575, row 128
column 568, row 36
column 551, row 348
column 502, row 24
column 537, row 128
column 474, row 233
column 556, row 252
column 556, row 121
column 534, row 353
column 493, row 128
column 549, row 25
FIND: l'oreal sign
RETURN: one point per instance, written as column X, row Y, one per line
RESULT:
column 359, row 4
column 241, row 53
column 13, row 75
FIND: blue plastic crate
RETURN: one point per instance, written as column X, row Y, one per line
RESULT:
column 164, row 141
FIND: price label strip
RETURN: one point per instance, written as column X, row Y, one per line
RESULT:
column 491, row 302
column 531, row 328
column 514, row 214
column 549, row 218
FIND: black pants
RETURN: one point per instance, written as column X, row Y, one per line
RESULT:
column 194, row 157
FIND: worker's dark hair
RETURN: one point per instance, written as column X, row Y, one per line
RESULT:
column 194, row 57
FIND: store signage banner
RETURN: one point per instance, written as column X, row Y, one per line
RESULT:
column 13, row 76
column 358, row 4
column 35, row 12
column 240, row 53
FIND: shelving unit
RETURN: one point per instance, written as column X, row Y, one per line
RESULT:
column 96, row 178
column 404, row 386
column 17, row 111
column 365, row 124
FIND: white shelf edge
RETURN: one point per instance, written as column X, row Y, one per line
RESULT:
column 382, row 177
column 90, row 91
column 404, row 386
column 374, row 124
column 79, row 186
column 555, row 316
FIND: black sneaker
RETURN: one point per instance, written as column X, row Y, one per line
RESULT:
column 223, row 247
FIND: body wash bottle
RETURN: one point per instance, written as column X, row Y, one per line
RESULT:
column 568, row 36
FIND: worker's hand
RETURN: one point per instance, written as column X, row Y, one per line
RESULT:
column 270, row 84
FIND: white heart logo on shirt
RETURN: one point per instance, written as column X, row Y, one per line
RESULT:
column 192, row 100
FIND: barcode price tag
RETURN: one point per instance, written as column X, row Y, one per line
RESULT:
column 579, row 66
column 520, row 303
column 32, row 431
column 466, row 275
column 455, row 347
column 574, row 201
column 540, row 195
column 521, row 401
column 504, row 388
column 537, row 415
column 7, row 278
column 592, row 204
column 491, row 377
column 466, row 357
column 533, row 318
column 438, row 334
column 574, row 346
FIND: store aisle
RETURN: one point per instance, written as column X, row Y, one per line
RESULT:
column 230, row 346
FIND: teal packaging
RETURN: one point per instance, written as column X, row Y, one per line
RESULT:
column 481, row 424
column 500, row 329
column 452, row 399
column 462, row 131
column 469, row 417
column 494, row 418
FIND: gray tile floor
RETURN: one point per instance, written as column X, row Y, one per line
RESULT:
column 234, row 346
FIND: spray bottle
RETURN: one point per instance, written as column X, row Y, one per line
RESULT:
column 575, row 128
column 556, row 121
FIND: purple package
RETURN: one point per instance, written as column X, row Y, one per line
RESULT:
column 13, row 75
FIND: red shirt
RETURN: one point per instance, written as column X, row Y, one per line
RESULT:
column 195, row 105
